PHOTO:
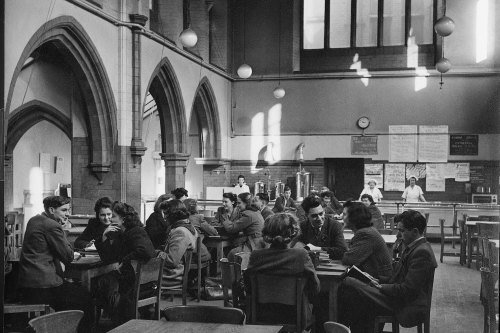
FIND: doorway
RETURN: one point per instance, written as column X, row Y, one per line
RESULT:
column 345, row 177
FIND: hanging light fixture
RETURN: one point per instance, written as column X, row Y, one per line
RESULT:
column 244, row 71
column 188, row 37
column 279, row 92
column 443, row 27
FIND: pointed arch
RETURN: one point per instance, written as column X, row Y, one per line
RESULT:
column 165, row 89
column 77, row 49
column 205, row 107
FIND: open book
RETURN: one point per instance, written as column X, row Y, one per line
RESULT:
column 356, row 273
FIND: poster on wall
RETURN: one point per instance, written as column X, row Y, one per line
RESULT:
column 433, row 143
column 450, row 170
column 45, row 162
column 435, row 182
column 417, row 170
column 394, row 179
column 376, row 172
column 462, row 172
column 403, row 143
column 464, row 144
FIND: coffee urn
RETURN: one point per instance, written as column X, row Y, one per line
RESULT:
column 259, row 187
column 303, row 183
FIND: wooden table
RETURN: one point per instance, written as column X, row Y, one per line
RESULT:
column 218, row 242
column 330, row 281
column 389, row 239
column 154, row 326
column 471, row 226
column 88, row 267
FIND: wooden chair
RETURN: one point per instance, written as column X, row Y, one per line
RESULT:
column 395, row 324
column 277, row 289
column 14, row 240
column 147, row 288
column 454, row 237
column 333, row 327
column 389, row 221
column 231, row 273
column 490, row 305
column 485, row 231
column 182, row 289
column 33, row 310
column 242, row 258
column 199, row 266
column 204, row 314
column 57, row 322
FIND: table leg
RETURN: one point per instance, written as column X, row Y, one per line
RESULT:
column 333, row 301
column 86, row 280
column 469, row 245
column 220, row 255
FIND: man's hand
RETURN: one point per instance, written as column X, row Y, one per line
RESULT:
column 375, row 284
column 313, row 247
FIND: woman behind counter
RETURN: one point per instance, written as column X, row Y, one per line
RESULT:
column 377, row 220
column 372, row 190
column 229, row 209
column 413, row 193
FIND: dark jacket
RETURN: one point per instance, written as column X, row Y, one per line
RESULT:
column 377, row 220
column 409, row 285
column 251, row 224
column 368, row 251
column 280, row 205
column 266, row 212
column 198, row 221
column 330, row 238
column 222, row 214
column 288, row 262
column 93, row 231
column 158, row 229
column 44, row 247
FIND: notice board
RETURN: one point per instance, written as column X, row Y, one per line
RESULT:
column 464, row 144
column 364, row 145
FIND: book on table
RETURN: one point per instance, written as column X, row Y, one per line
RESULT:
column 357, row 273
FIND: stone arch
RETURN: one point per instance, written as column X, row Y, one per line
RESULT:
column 165, row 89
column 28, row 115
column 205, row 107
column 77, row 49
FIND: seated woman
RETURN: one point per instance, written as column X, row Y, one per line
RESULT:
column 229, row 209
column 279, row 259
column 180, row 193
column 157, row 225
column 330, row 203
column 122, row 241
column 377, row 220
column 367, row 249
column 198, row 220
column 96, row 226
column 250, row 224
column 182, row 236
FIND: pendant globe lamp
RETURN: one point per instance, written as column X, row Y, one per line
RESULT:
column 188, row 36
column 279, row 92
column 244, row 71
column 443, row 27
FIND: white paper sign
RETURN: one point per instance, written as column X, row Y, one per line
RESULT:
column 376, row 172
column 45, row 162
column 450, row 170
column 402, row 143
column 433, row 143
column 462, row 172
column 394, row 177
column 434, row 182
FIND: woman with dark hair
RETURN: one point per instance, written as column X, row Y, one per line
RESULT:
column 250, row 223
column 279, row 259
column 182, row 236
column 122, row 241
column 198, row 220
column 367, row 249
column 229, row 209
column 96, row 225
column 377, row 220
column 157, row 225
column 180, row 193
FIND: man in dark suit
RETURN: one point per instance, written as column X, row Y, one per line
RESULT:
column 261, row 200
column 45, row 252
column 285, row 203
column 405, row 295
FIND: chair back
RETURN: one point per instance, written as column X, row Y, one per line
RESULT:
column 488, row 292
column 242, row 258
column 14, row 240
column 333, row 327
column 57, row 322
column 488, row 230
column 483, row 244
column 493, row 256
column 231, row 274
column 147, row 287
column 277, row 289
column 188, row 255
column 389, row 221
column 204, row 314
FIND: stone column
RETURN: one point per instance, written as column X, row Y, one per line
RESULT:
column 175, row 170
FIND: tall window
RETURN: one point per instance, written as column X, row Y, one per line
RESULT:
column 366, row 23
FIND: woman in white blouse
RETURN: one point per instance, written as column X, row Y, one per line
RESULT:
column 413, row 193
column 372, row 190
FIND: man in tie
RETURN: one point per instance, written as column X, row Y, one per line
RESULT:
column 285, row 203
column 406, row 294
column 241, row 187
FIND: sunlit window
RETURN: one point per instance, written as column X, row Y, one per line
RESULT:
column 340, row 23
column 314, row 24
column 394, row 22
column 366, row 23
column 421, row 20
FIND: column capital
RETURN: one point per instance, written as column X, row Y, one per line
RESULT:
column 181, row 157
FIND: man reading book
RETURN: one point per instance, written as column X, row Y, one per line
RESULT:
column 406, row 293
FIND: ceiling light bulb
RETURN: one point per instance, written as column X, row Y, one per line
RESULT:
column 443, row 65
column 188, row 38
column 279, row 92
column 244, row 71
column 444, row 26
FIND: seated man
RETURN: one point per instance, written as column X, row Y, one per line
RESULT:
column 330, row 203
column 45, row 249
column 260, row 201
column 285, row 203
column 320, row 232
column 406, row 293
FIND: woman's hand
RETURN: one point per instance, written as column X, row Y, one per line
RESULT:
column 110, row 229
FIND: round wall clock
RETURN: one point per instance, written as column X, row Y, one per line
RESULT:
column 363, row 122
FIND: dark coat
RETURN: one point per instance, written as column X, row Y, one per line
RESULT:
column 158, row 229
column 198, row 221
column 221, row 215
column 44, row 247
column 251, row 224
column 368, row 251
column 409, row 285
column 280, row 205
column 94, row 230
column 377, row 220
column 266, row 212
column 330, row 238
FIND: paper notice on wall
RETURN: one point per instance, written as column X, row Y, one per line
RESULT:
column 417, row 170
column 394, row 179
column 462, row 172
column 45, row 162
column 435, row 182
column 376, row 172
column 433, row 143
column 450, row 170
column 59, row 165
column 402, row 143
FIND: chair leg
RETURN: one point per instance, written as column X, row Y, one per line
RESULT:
column 198, row 285
column 442, row 250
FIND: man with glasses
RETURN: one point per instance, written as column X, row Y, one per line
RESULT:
column 406, row 294
column 320, row 232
